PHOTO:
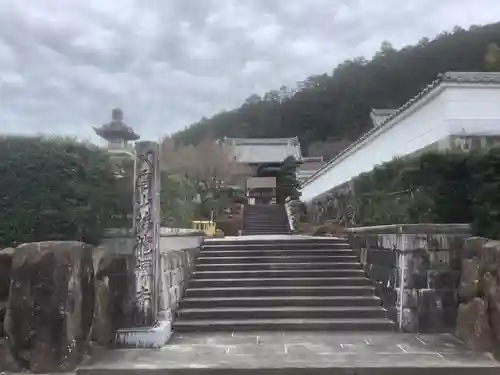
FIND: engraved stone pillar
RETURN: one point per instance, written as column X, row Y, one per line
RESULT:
column 146, row 229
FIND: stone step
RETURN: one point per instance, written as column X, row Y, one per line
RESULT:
column 267, row 241
column 274, row 281
column 287, row 312
column 276, row 246
column 259, row 226
column 277, row 273
column 280, row 301
column 266, row 229
column 235, row 267
column 267, row 219
column 272, row 252
column 265, row 223
column 278, row 259
column 254, row 216
column 257, row 231
column 257, row 291
column 367, row 325
column 275, row 226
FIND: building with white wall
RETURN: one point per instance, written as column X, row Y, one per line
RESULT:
column 308, row 166
column 255, row 151
column 263, row 158
column 457, row 110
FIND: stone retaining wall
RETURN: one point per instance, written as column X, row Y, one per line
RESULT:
column 51, row 304
column 478, row 323
column 425, row 259
column 176, row 269
column 5, row 266
column 62, row 294
column 178, row 249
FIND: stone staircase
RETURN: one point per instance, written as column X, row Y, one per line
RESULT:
column 265, row 219
column 279, row 284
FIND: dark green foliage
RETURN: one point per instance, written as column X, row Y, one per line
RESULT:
column 286, row 181
column 337, row 105
column 435, row 188
column 485, row 192
column 54, row 189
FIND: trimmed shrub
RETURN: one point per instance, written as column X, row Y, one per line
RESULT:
column 54, row 189
column 455, row 187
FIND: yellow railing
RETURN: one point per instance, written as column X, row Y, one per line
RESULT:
column 206, row 226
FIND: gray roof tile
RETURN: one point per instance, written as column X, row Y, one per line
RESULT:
column 263, row 150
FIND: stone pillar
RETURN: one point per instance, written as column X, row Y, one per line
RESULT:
column 146, row 229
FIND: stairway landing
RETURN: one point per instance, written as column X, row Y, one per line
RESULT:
column 299, row 353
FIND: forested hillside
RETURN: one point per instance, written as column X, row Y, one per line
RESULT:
column 334, row 108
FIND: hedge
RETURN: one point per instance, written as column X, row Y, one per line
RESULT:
column 54, row 189
column 455, row 187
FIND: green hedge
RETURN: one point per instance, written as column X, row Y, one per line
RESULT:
column 434, row 187
column 54, row 189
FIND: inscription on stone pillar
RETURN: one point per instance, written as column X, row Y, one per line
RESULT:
column 146, row 230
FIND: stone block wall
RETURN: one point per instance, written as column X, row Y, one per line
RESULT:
column 178, row 249
column 51, row 303
column 425, row 260
column 5, row 266
column 478, row 323
column 62, row 295
column 176, row 268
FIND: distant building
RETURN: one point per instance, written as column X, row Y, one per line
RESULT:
column 378, row 116
column 309, row 165
column 264, row 156
column 257, row 151
column 458, row 111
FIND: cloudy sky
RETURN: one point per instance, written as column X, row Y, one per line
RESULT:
column 64, row 64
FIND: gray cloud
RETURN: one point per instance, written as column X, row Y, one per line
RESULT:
column 65, row 64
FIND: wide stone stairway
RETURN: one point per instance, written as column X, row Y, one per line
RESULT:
column 290, row 283
column 265, row 219
column 288, row 305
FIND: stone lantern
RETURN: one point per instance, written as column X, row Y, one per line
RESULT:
column 117, row 134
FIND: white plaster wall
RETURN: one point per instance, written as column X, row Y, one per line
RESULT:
column 426, row 125
column 473, row 110
column 450, row 109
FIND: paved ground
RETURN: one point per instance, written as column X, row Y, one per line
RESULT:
column 301, row 353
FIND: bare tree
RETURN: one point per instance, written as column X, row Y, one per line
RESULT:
column 209, row 166
column 205, row 163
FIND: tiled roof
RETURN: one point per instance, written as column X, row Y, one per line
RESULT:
column 263, row 150
column 116, row 129
column 470, row 77
column 448, row 77
column 261, row 141
column 382, row 112
column 311, row 159
column 379, row 115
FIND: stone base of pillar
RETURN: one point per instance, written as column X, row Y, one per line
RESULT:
column 145, row 337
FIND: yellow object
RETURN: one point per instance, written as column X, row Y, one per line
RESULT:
column 208, row 227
